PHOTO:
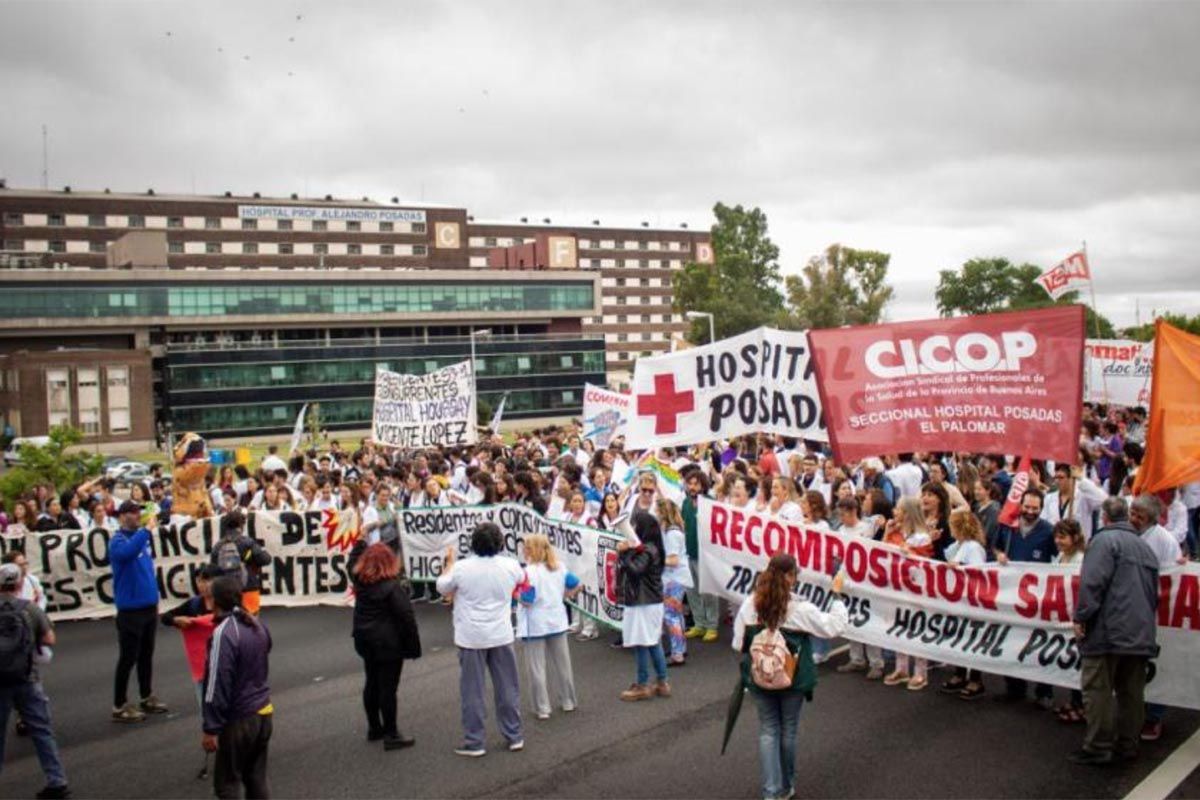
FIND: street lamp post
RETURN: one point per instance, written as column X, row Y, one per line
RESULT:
column 474, row 380
column 694, row 315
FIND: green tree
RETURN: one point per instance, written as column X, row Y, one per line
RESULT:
column 741, row 288
column 50, row 464
column 986, row 285
column 1145, row 333
column 843, row 286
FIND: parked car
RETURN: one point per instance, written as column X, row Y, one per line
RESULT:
column 126, row 469
column 12, row 455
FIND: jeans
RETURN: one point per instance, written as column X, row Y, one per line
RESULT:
column 34, row 707
column 644, row 656
column 1155, row 712
column 778, row 715
column 706, row 608
column 136, row 629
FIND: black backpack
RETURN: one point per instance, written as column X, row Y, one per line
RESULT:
column 16, row 644
column 229, row 559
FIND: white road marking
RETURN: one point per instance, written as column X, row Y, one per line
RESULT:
column 1170, row 773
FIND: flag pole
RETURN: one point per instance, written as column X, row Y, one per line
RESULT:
column 1095, row 314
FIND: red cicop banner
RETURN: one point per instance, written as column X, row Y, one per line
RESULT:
column 1001, row 383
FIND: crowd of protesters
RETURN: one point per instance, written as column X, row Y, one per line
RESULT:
column 944, row 506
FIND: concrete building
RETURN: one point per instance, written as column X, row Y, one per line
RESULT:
column 230, row 312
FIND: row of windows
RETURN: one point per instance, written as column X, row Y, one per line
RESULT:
column 280, row 416
column 585, row 244
column 211, row 223
column 216, row 248
column 245, row 376
column 204, row 301
column 651, row 336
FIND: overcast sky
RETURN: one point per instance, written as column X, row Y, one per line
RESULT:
column 935, row 132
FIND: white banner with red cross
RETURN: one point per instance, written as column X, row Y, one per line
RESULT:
column 761, row 381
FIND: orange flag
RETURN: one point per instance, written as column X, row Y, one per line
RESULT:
column 1173, row 429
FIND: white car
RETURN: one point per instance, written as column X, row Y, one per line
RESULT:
column 13, row 454
column 122, row 469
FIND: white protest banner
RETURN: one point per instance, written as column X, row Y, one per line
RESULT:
column 1117, row 371
column 1013, row 620
column 298, row 430
column 590, row 553
column 605, row 414
column 425, row 410
column 74, row 569
column 1072, row 274
column 761, row 381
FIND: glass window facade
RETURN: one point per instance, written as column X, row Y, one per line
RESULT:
column 147, row 300
column 266, row 417
column 341, row 372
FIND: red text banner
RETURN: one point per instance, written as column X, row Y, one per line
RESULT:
column 1004, row 383
column 1009, row 620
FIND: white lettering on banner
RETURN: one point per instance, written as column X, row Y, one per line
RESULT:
column 590, row 553
column 74, row 568
column 1118, row 371
column 1013, row 620
column 757, row 382
column 424, row 410
column 328, row 213
column 972, row 352
column 605, row 414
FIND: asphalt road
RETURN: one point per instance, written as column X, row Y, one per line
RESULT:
column 857, row 739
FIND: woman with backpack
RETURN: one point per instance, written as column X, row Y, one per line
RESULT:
column 772, row 632
column 385, row 635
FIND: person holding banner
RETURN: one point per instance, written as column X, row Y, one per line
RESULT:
column 706, row 608
column 968, row 549
column 907, row 530
column 640, row 585
column 774, row 606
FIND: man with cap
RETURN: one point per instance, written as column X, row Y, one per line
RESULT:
column 135, row 593
column 19, row 648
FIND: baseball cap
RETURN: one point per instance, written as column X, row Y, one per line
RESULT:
column 129, row 507
column 10, row 576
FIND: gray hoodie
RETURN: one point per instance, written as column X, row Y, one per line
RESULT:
column 1118, row 594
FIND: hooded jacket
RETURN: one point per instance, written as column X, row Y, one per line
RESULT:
column 1118, row 594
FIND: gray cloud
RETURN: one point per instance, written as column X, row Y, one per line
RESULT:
column 938, row 132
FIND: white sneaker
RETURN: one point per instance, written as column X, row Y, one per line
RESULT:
column 543, row 716
column 517, row 746
column 470, row 752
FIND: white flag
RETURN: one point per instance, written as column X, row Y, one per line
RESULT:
column 1071, row 275
column 298, row 431
column 495, row 426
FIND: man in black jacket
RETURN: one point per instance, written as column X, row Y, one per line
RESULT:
column 1116, row 626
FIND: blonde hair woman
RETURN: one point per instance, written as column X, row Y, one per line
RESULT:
column 677, row 579
column 907, row 530
column 967, row 550
column 542, row 625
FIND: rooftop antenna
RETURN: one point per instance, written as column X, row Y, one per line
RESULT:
column 45, row 158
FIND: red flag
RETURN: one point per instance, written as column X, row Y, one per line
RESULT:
column 1012, row 504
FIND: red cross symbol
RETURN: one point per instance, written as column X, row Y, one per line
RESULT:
column 665, row 404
